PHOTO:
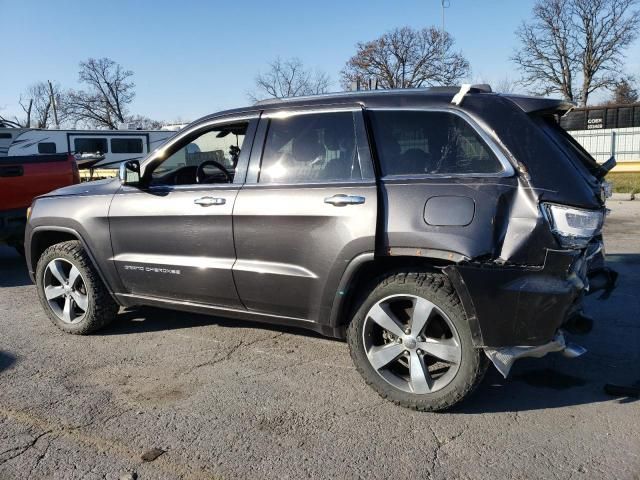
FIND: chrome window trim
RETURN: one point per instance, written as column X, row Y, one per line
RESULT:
column 507, row 166
column 295, row 111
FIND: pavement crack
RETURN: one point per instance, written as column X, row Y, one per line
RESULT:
column 41, row 456
column 23, row 448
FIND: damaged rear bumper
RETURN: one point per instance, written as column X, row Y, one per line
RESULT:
column 512, row 305
column 504, row 358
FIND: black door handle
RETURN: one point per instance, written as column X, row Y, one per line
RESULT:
column 12, row 171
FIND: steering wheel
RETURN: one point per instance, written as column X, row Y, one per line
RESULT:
column 201, row 177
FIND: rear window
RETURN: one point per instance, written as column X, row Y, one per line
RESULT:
column 126, row 145
column 435, row 143
column 46, row 147
column 90, row 145
column 569, row 145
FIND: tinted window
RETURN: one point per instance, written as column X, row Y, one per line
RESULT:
column 126, row 145
column 414, row 142
column 5, row 135
column 46, row 147
column 310, row 148
column 90, row 145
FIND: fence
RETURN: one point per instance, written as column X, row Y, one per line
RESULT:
column 624, row 144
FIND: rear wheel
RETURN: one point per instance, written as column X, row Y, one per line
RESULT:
column 70, row 290
column 411, row 342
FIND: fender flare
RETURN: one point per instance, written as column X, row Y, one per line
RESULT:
column 78, row 236
column 428, row 254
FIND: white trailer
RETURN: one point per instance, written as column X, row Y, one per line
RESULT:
column 107, row 146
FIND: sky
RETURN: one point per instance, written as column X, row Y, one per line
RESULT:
column 194, row 57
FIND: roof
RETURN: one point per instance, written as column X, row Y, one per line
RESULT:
column 420, row 97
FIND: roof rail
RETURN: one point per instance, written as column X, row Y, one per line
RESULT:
column 477, row 88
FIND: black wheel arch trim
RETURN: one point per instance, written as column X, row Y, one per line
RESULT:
column 423, row 253
column 467, row 303
column 46, row 228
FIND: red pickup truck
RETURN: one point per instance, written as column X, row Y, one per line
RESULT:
column 22, row 178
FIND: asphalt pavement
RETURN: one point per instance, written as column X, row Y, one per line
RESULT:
column 220, row 398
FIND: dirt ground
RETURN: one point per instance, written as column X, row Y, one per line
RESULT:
column 230, row 399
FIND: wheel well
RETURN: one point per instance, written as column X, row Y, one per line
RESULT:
column 43, row 240
column 364, row 278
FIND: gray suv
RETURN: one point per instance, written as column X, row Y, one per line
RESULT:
column 435, row 229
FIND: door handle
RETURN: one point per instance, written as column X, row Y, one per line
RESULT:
column 208, row 201
column 341, row 200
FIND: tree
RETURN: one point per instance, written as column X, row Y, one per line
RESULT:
column 109, row 93
column 624, row 93
column 406, row 58
column 38, row 104
column 289, row 78
column 145, row 123
column 575, row 42
column 505, row 85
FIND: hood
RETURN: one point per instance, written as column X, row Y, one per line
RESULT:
column 108, row 186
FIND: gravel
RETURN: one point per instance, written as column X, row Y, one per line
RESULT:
column 232, row 399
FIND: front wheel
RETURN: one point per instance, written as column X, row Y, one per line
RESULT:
column 71, row 291
column 411, row 342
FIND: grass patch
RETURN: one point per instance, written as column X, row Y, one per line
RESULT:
column 624, row 182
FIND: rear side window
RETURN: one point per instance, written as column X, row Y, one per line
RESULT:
column 46, row 147
column 308, row 148
column 126, row 145
column 90, row 145
column 430, row 143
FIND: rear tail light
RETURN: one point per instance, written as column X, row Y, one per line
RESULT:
column 573, row 227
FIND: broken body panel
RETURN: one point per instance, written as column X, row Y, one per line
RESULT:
column 488, row 233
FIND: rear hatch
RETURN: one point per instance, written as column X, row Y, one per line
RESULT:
column 556, row 160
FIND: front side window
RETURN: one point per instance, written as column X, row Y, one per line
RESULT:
column 126, row 145
column 308, row 148
column 218, row 147
column 429, row 143
column 90, row 145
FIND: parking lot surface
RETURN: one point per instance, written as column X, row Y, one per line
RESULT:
column 229, row 399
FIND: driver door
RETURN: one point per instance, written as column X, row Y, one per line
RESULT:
column 174, row 239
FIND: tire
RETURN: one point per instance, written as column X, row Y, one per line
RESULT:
column 407, row 297
column 91, row 307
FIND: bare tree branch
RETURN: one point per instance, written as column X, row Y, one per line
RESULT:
column 406, row 58
column 289, row 78
column 105, row 101
column 575, row 39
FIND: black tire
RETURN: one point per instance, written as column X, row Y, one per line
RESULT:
column 436, row 289
column 101, row 309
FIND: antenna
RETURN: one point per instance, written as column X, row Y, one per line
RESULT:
column 444, row 4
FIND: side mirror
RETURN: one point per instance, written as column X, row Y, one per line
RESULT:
column 129, row 172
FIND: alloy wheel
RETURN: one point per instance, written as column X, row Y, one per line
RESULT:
column 65, row 290
column 412, row 344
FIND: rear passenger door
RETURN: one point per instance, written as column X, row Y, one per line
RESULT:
column 308, row 207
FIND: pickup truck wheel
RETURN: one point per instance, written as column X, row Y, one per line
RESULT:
column 411, row 342
column 71, row 291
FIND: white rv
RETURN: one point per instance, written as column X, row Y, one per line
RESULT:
column 97, row 147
